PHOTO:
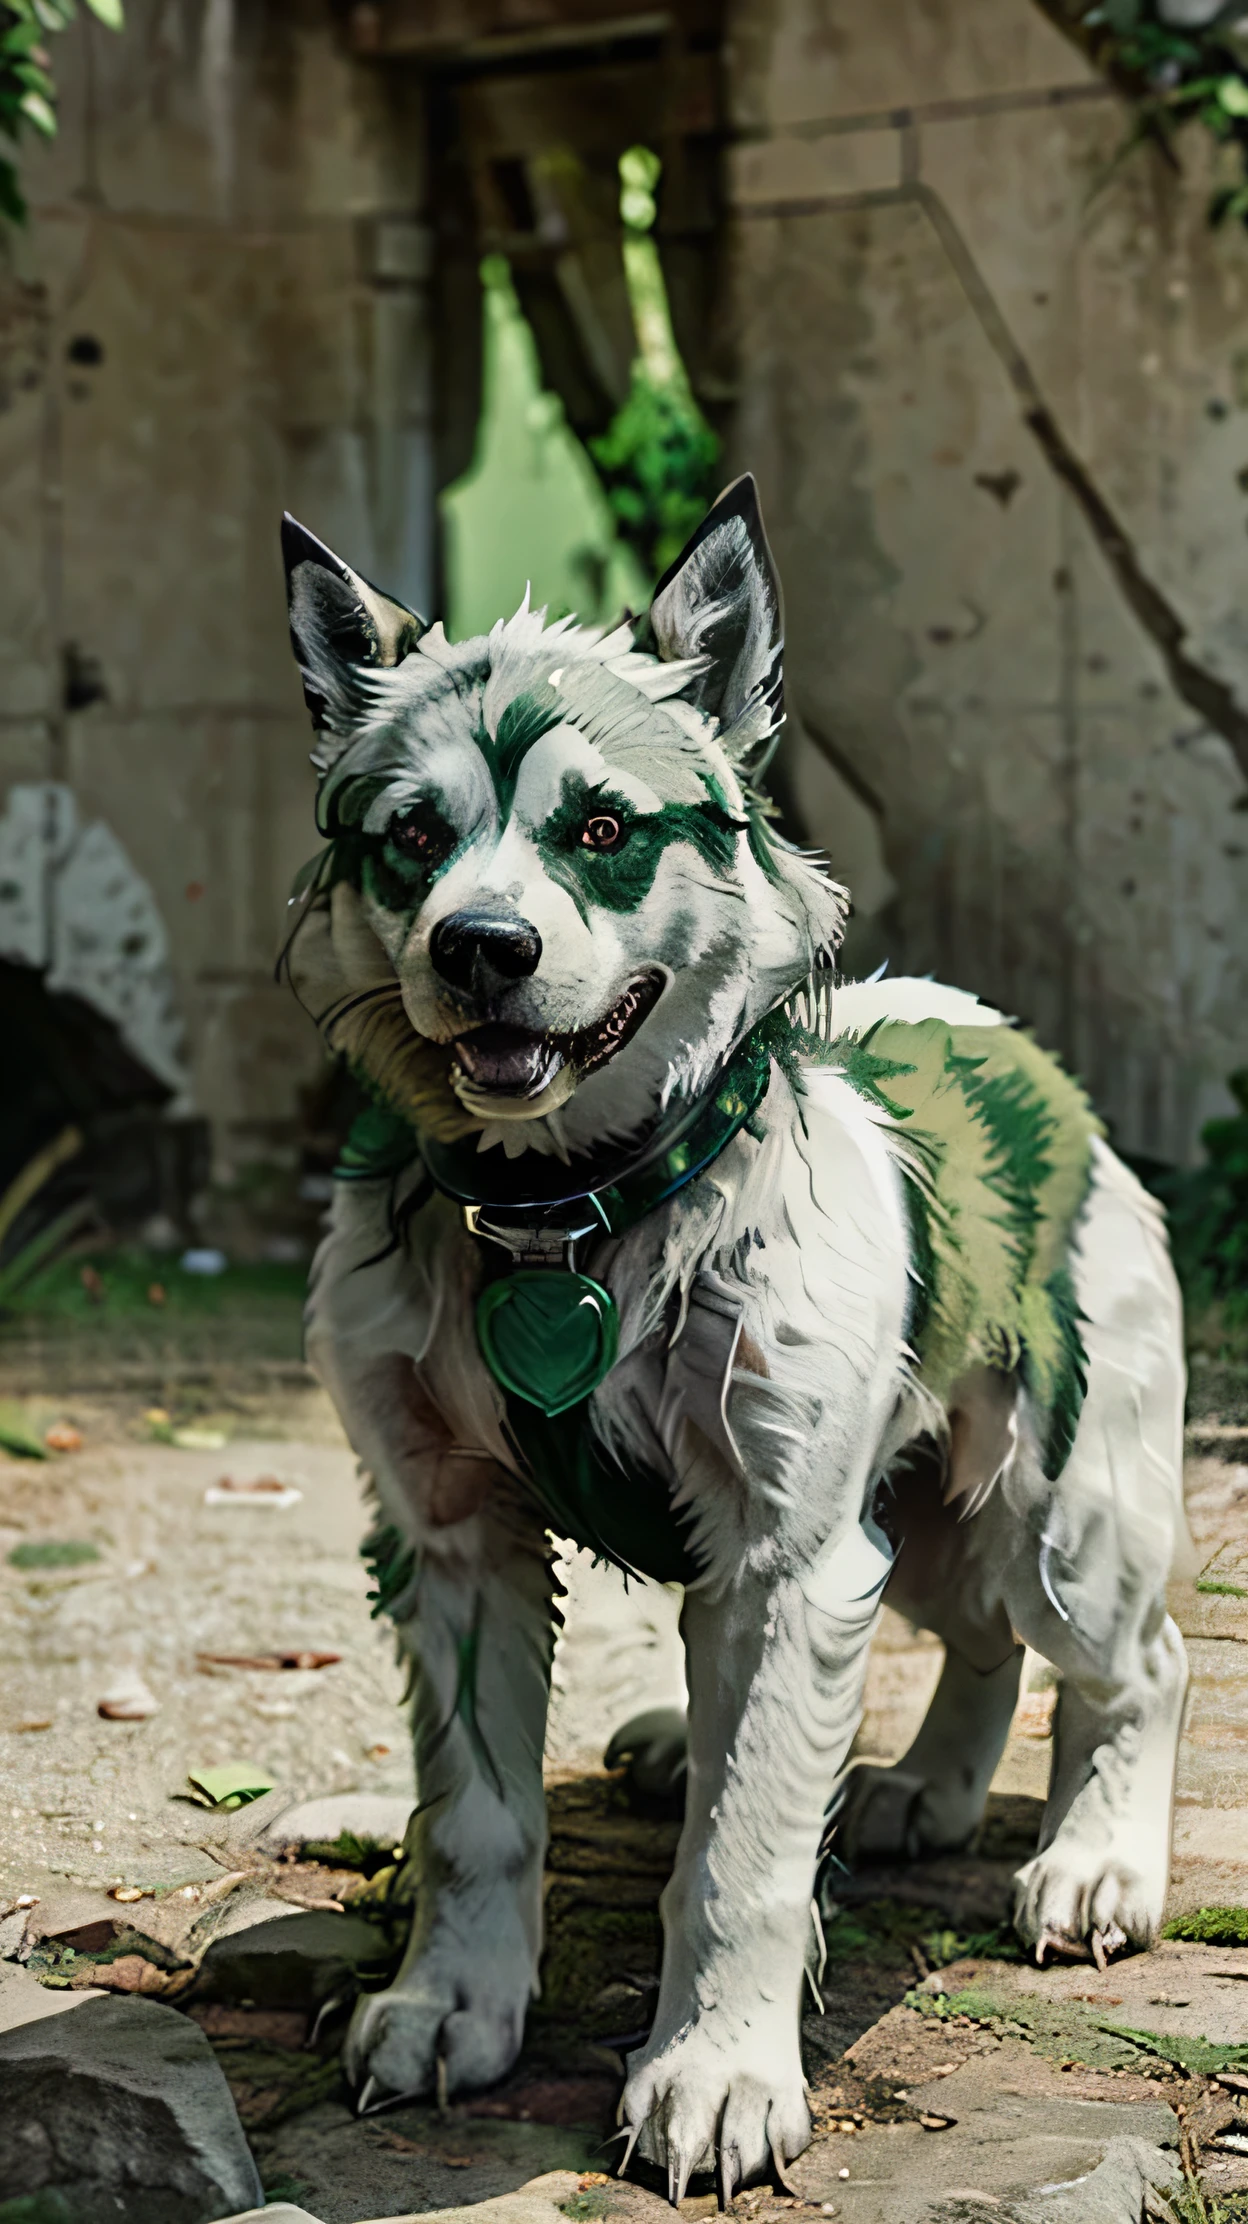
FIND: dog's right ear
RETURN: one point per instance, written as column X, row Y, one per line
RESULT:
column 339, row 625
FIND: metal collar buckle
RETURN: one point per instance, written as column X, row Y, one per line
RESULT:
column 539, row 1243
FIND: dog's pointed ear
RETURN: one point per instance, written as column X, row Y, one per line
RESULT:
column 339, row 624
column 721, row 601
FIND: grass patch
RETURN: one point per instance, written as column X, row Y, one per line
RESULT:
column 53, row 1552
column 66, row 1293
column 887, row 1933
column 1221, row 1590
column 1211, row 1926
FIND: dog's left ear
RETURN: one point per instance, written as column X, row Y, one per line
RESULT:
column 720, row 601
column 338, row 623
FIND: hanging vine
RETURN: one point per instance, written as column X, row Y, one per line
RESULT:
column 1178, row 62
column 27, row 87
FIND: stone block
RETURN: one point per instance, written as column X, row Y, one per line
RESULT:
column 295, row 1961
column 122, row 2110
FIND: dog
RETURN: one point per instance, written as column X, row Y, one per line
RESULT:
column 800, row 1294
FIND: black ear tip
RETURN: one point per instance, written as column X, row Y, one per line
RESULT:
column 739, row 499
column 301, row 547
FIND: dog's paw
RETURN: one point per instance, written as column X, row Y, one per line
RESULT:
column 714, row 2098
column 425, row 2035
column 892, row 1814
column 1084, row 1902
column 652, row 1749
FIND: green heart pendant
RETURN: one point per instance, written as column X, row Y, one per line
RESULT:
column 548, row 1335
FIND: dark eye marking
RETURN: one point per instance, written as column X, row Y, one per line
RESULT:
column 604, row 830
column 421, row 836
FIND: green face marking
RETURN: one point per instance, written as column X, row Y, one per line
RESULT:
column 620, row 873
column 523, row 722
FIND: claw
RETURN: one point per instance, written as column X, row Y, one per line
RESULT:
column 1053, row 1941
column 373, row 2097
column 729, row 2170
column 323, row 2014
column 683, row 2168
column 1099, row 1955
column 779, row 2169
column 634, row 2133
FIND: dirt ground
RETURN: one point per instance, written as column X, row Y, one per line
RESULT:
column 172, row 1570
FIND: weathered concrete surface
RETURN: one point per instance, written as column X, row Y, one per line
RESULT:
column 234, row 224
column 176, row 1577
column 121, row 2108
column 927, row 243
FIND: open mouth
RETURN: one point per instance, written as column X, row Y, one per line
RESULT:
column 512, row 1062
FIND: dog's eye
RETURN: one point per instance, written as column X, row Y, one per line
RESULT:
column 603, row 830
column 422, row 835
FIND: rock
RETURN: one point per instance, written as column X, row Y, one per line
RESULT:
column 121, row 2108
column 1118, row 2191
column 24, row 2000
column 1016, row 2124
column 373, row 1817
column 1122, row 2189
column 538, row 2202
column 291, row 1961
column 274, row 2212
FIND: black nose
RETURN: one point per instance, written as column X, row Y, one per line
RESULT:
column 473, row 944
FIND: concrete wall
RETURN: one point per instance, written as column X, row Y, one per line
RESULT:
column 231, row 214
column 927, row 255
column 928, row 251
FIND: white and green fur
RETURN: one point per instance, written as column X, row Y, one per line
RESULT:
column 888, row 1292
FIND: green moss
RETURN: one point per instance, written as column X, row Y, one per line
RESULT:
column 1212, row 1926
column 53, row 1552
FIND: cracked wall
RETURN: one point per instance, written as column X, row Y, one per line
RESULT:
column 218, row 311
column 929, row 249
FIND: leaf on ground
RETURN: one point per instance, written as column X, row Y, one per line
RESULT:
column 233, row 1785
column 17, row 1437
column 53, row 1552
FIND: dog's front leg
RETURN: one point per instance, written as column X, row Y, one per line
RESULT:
column 477, row 1625
column 775, row 1685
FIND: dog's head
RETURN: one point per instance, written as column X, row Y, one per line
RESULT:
column 552, row 894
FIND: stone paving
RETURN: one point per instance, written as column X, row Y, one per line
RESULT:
column 88, row 1805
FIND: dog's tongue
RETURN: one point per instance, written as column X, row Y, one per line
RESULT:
column 508, row 1061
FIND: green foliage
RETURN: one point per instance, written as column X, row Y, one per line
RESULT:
column 1208, row 1214
column 1177, row 76
column 657, row 459
column 1211, row 1926
column 27, row 90
column 658, row 456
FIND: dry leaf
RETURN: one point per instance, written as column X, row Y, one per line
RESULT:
column 156, row 1293
column 291, row 1658
column 63, row 1437
column 932, row 2122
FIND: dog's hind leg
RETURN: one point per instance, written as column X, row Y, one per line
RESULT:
column 932, row 1800
column 947, row 1578
column 1092, row 1598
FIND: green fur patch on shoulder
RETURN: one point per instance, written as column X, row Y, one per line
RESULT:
column 995, row 1142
